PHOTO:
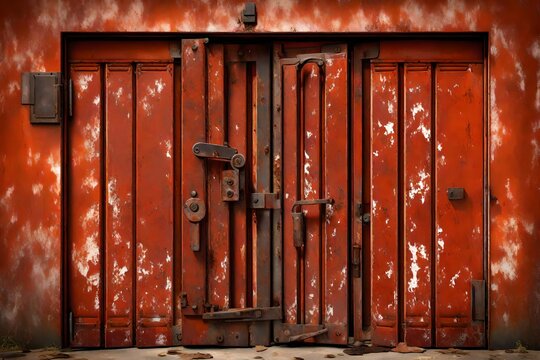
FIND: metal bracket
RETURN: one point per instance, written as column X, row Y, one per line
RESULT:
column 43, row 92
column 249, row 14
column 265, row 201
column 230, row 185
column 246, row 314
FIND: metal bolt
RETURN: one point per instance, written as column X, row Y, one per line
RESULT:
column 196, row 150
column 194, row 47
column 194, row 207
column 219, row 338
column 193, row 193
column 230, row 193
column 230, row 182
column 256, row 200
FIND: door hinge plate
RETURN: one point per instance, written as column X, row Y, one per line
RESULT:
column 265, row 201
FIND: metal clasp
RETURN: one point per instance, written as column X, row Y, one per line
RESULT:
column 299, row 223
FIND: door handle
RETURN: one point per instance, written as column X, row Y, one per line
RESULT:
column 219, row 153
column 195, row 211
column 299, row 222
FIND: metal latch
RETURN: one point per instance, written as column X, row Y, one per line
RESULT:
column 246, row 314
column 299, row 223
column 265, row 201
column 195, row 211
column 219, row 153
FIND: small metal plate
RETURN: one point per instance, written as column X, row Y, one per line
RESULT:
column 230, row 189
column 455, row 193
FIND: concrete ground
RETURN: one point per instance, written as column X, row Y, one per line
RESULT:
column 271, row 353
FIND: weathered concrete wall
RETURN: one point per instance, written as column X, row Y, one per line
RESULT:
column 30, row 191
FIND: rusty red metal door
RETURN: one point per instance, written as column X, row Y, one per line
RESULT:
column 226, row 256
column 120, row 202
column 311, row 273
column 427, row 200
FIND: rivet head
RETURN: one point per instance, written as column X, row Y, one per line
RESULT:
column 230, row 193
column 193, row 193
column 230, row 182
column 194, row 207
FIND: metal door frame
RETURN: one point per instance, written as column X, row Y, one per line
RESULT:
column 357, row 110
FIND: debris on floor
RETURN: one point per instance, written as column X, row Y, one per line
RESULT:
column 174, row 352
column 364, row 349
column 452, row 351
column 403, row 348
column 54, row 355
column 193, row 356
column 519, row 349
column 260, row 348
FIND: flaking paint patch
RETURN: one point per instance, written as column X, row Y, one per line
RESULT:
column 507, row 265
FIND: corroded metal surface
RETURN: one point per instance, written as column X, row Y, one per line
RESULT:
column 30, row 156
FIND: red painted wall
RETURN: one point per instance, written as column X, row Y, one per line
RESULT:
column 30, row 241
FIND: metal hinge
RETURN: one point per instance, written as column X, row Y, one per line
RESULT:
column 247, row 314
column 265, row 201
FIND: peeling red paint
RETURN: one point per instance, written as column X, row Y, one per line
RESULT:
column 30, row 156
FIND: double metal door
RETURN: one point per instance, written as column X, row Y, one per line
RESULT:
column 243, row 194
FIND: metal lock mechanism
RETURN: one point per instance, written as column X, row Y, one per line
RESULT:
column 230, row 179
column 299, row 221
column 195, row 211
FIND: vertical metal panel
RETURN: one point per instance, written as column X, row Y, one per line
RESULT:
column 85, row 187
column 154, row 200
column 417, row 222
column 238, row 134
column 260, row 332
column 193, row 122
column 357, row 206
column 311, row 181
column 384, row 209
column 335, row 282
column 459, row 223
column 118, row 180
column 290, row 186
column 219, row 254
